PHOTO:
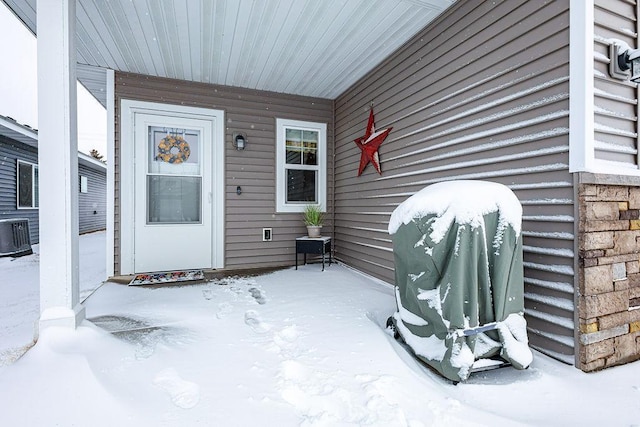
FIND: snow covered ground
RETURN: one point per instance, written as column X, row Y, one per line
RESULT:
column 20, row 293
column 289, row 348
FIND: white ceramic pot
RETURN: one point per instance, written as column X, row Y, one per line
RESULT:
column 314, row 230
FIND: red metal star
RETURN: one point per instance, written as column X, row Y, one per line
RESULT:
column 369, row 144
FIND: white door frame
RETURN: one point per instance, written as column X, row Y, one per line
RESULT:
column 128, row 108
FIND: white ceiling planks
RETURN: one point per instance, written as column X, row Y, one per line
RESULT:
column 306, row 47
column 363, row 53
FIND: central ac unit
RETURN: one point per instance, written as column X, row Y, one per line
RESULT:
column 15, row 239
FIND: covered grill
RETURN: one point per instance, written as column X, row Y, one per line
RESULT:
column 459, row 277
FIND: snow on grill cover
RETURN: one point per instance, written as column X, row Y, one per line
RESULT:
column 458, row 266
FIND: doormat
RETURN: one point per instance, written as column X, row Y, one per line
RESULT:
column 167, row 277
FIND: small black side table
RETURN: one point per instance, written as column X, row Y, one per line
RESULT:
column 313, row 245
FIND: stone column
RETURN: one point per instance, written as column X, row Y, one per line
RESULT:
column 609, row 275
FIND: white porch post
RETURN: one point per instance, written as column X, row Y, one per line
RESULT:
column 58, row 164
column 111, row 155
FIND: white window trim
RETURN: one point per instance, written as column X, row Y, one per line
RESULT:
column 321, row 128
column 34, row 182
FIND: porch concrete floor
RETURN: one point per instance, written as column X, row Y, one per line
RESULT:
column 287, row 348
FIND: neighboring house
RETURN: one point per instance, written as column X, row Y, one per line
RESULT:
column 92, row 196
column 19, row 181
column 516, row 92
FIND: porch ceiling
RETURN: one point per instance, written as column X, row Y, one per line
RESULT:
column 305, row 47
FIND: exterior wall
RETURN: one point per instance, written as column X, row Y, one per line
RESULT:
column 93, row 204
column 253, row 113
column 608, row 294
column 609, row 290
column 10, row 152
column 481, row 93
column 616, row 136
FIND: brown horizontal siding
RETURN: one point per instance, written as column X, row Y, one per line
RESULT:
column 253, row 113
column 615, row 121
column 482, row 93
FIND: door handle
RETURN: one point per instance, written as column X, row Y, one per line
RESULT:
column 210, row 197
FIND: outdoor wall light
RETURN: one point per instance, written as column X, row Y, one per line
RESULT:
column 623, row 59
column 239, row 141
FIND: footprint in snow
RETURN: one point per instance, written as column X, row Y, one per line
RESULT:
column 224, row 308
column 258, row 295
column 252, row 318
column 236, row 289
column 184, row 394
column 285, row 341
column 207, row 293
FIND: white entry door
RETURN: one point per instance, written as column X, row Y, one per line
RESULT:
column 176, row 197
column 171, row 187
column 173, row 193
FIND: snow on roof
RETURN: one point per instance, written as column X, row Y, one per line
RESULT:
column 464, row 201
column 16, row 131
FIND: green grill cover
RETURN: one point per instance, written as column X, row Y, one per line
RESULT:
column 458, row 267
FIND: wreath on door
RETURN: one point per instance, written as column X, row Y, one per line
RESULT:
column 173, row 149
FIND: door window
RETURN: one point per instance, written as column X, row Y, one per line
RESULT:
column 174, row 178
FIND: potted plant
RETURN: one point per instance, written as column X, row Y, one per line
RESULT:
column 313, row 219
